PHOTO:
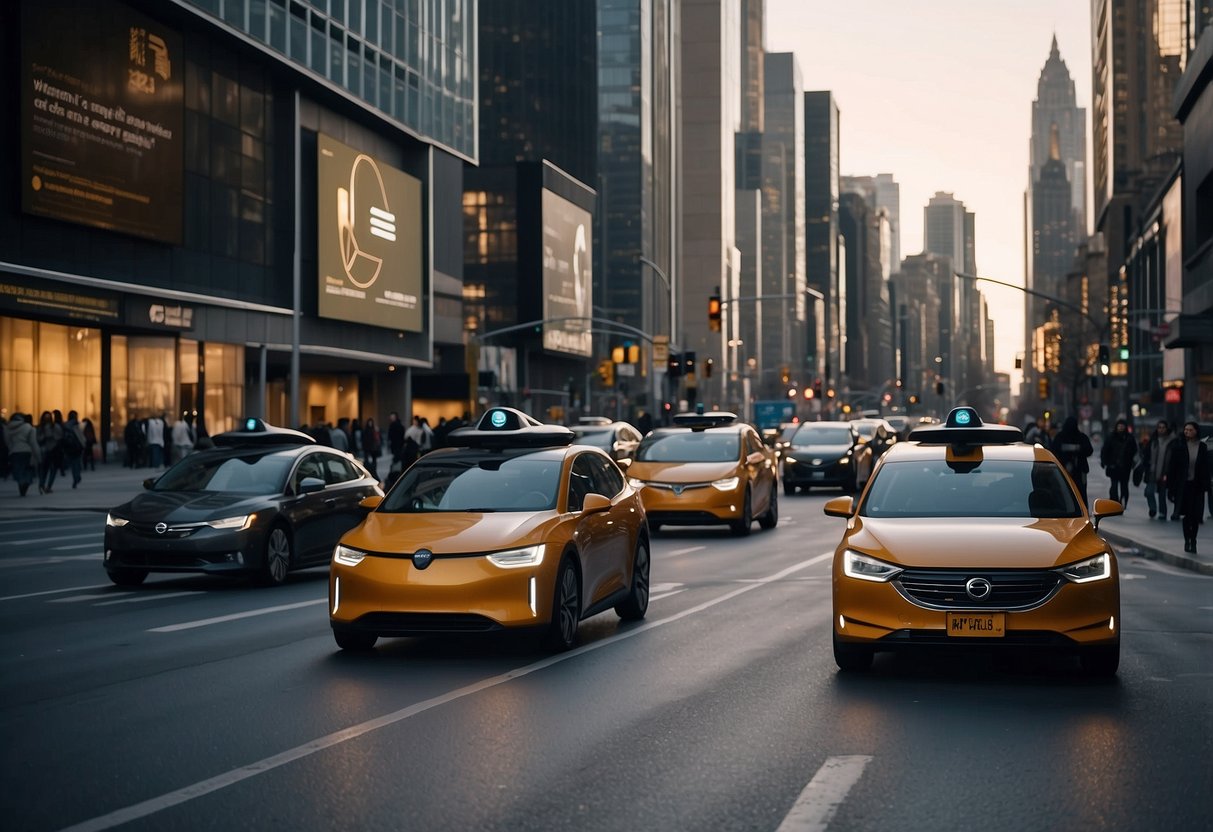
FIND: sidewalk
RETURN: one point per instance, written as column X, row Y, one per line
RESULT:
column 1133, row 534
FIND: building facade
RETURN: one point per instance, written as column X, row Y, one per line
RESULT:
column 821, row 191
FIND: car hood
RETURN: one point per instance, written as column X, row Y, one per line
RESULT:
column 803, row 452
column 187, row 506
column 450, row 533
column 682, row 472
column 996, row 543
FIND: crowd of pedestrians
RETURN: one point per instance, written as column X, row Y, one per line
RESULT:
column 51, row 448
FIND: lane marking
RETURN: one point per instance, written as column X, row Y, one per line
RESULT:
column 220, row 781
column 653, row 598
column 18, row 563
column 1132, row 576
column 655, row 588
column 74, row 599
column 76, row 546
column 827, row 790
column 685, row 551
column 150, row 597
column 49, row 539
column 53, row 592
column 206, row 622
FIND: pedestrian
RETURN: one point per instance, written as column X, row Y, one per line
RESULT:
column 60, row 457
column 183, row 439
column 338, row 437
column 1117, row 455
column 90, row 442
column 372, row 446
column 5, row 466
column 1189, row 479
column 1155, row 461
column 427, row 436
column 155, row 441
column 417, row 434
column 49, row 437
column 134, row 438
column 355, row 434
column 24, row 452
column 73, row 445
column 1031, row 431
column 1072, row 448
column 395, row 434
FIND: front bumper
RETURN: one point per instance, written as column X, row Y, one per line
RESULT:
column 802, row 474
column 203, row 550
column 696, row 505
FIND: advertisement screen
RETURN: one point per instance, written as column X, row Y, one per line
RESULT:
column 101, row 117
column 568, row 240
column 369, row 251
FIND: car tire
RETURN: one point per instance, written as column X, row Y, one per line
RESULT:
column 127, row 577
column 770, row 520
column 276, row 558
column 637, row 603
column 561, row 633
column 852, row 658
column 789, row 490
column 354, row 641
column 741, row 528
column 1100, row 661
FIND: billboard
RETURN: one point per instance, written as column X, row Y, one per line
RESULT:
column 568, row 242
column 101, row 117
column 369, row 247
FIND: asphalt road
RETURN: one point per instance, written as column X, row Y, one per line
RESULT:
column 197, row 703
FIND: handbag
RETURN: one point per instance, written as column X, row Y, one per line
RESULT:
column 1139, row 474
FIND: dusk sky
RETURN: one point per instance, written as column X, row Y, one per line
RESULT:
column 939, row 93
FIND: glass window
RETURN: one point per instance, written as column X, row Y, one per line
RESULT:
column 309, row 466
column 581, row 481
column 701, row 446
column 990, row 488
column 607, row 480
column 47, row 366
column 298, row 47
column 810, row 434
column 277, row 25
column 244, row 474
column 224, row 386
column 454, row 482
column 338, row 469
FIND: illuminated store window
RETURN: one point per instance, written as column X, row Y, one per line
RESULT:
column 49, row 367
column 223, row 372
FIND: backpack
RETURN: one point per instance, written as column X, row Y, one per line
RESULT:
column 72, row 446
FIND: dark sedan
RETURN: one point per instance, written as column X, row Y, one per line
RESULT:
column 263, row 502
column 826, row 454
column 619, row 439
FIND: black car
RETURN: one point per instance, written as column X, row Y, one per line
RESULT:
column 826, row 454
column 264, row 501
column 619, row 439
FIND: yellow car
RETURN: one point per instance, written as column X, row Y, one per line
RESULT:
column 707, row 469
column 513, row 528
column 967, row 536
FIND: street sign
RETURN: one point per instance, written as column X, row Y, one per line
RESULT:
column 661, row 349
column 625, row 369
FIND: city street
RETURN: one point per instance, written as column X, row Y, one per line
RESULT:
column 196, row 703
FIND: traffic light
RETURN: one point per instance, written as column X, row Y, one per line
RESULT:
column 688, row 362
column 817, row 388
column 1105, row 360
column 606, row 372
column 913, row 398
column 674, row 368
column 633, row 353
column 785, row 374
column 619, row 354
column 1124, row 353
column 1042, row 388
column 714, row 313
column 808, row 393
column 707, row 368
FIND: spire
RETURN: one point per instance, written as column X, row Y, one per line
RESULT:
column 1054, row 143
column 1053, row 51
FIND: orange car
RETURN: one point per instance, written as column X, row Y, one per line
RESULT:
column 965, row 535
column 707, row 469
column 513, row 528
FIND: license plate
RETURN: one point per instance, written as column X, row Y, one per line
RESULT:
column 819, row 475
column 976, row 624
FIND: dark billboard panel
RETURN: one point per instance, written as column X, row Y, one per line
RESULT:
column 568, row 257
column 369, row 251
column 101, row 117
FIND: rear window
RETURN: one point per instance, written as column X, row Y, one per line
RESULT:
column 810, row 434
column 991, row 488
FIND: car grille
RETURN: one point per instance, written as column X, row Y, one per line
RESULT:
column 171, row 533
column 677, row 487
column 945, row 589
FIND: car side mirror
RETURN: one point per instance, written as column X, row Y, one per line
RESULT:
column 310, row 485
column 594, row 503
column 370, row 503
column 756, row 458
column 839, row 507
column 149, row 482
column 624, row 463
column 1106, row 508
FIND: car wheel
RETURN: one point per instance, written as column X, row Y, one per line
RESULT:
column 771, row 518
column 741, row 527
column 276, row 560
column 354, row 641
column 566, row 609
column 788, row 489
column 637, row 603
column 1100, row 661
column 851, row 657
column 127, row 577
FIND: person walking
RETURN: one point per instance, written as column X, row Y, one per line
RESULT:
column 49, row 437
column 90, row 442
column 155, row 441
column 1116, row 457
column 1072, row 448
column 1155, row 461
column 1189, row 478
column 73, row 445
column 24, row 452
column 372, row 444
column 395, row 434
column 183, row 439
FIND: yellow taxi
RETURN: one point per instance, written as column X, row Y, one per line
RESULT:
column 967, row 536
column 511, row 528
column 707, row 469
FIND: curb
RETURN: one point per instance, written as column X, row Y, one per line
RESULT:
column 1129, row 546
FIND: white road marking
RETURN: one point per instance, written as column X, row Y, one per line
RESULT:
column 664, row 595
column 73, row 599
column 228, row 778
column 76, row 546
column 17, row 563
column 655, row 588
column 206, row 622
column 685, row 551
column 149, row 596
column 53, row 592
column 49, row 539
column 827, row 790
column 1132, row 576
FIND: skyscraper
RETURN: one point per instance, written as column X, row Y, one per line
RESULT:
column 821, row 120
column 949, row 231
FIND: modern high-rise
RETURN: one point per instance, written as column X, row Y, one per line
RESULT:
column 948, row 231
column 882, row 192
column 868, row 353
column 821, row 154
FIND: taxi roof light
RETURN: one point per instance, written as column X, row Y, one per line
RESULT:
column 254, row 431
column 504, row 427
column 703, row 421
column 964, row 430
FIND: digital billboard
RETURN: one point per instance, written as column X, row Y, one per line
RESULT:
column 568, row 241
column 101, row 117
column 369, row 251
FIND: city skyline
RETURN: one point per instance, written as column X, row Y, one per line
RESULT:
column 940, row 96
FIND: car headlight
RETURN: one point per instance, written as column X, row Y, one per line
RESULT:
column 867, row 568
column 727, row 484
column 116, row 522
column 517, row 558
column 241, row 522
column 789, row 460
column 635, row 483
column 1091, row 569
column 347, row 556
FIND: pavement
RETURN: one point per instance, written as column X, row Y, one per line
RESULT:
column 1133, row 534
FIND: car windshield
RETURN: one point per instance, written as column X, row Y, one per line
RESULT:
column 527, row 483
column 699, row 446
column 814, row 435
column 595, row 437
column 866, row 429
column 245, row 474
column 991, row 488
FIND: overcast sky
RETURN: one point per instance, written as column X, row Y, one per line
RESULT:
column 939, row 93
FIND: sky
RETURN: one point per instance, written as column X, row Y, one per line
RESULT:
column 939, row 93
